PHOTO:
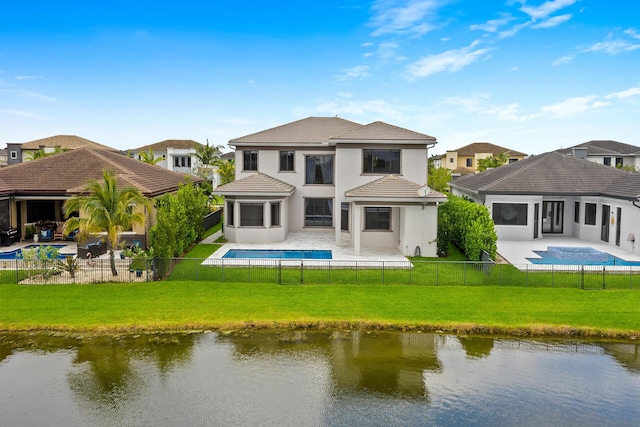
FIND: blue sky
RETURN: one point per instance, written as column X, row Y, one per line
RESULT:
column 530, row 75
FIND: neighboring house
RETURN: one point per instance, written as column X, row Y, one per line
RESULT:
column 178, row 155
column 36, row 190
column 609, row 153
column 365, row 182
column 21, row 152
column 464, row 160
column 3, row 157
column 554, row 194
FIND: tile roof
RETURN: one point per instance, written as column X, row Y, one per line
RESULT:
column 170, row 143
column 256, row 184
column 384, row 131
column 392, row 187
column 486, row 147
column 312, row 130
column 553, row 174
column 605, row 148
column 67, row 173
column 70, row 142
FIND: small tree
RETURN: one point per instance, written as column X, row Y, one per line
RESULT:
column 439, row 179
column 492, row 161
column 106, row 209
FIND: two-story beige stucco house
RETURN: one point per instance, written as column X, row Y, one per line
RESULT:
column 365, row 182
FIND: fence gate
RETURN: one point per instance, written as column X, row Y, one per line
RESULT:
column 592, row 277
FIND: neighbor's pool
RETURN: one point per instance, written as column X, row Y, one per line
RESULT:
column 278, row 254
column 14, row 253
column 558, row 255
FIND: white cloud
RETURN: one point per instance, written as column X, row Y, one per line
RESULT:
column 28, row 94
column 625, row 93
column 20, row 113
column 387, row 51
column 513, row 31
column 492, row 25
column 631, row 32
column 473, row 104
column 377, row 107
column 393, row 17
column 612, row 47
column 448, row 61
column 552, row 22
column 357, row 72
column 28, row 77
column 573, row 106
column 544, row 10
column 564, row 60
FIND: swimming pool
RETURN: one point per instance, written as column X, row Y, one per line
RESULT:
column 14, row 253
column 572, row 256
column 278, row 254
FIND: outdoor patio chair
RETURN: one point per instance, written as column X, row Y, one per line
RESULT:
column 58, row 234
column 46, row 235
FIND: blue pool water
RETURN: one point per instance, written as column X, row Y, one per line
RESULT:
column 14, row 253
column 548, row 258
column 278, row 254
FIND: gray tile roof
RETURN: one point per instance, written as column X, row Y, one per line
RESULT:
column 605, row 148
column 312, row 130
column 170, row 143
column 392, row 187
column 67, row 173
column 486, row 147
column 70, row 142
column 553, row 174
column 384, row 131
column 256, row 184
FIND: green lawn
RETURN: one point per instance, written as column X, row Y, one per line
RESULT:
column 183, row 304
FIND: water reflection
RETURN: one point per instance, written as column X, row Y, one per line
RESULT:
column 315, row 378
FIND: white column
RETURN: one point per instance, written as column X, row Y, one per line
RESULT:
column 266, row 215
column 337, row 219
column 355, row 233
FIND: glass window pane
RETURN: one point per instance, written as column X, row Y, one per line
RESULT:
column 251, row 214
column 510, row 213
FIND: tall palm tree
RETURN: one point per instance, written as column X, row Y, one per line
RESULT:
column 149, row 157
column 106, row 209
column 207, row 154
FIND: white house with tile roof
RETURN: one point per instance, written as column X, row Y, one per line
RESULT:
column 553, row 194
column 606, row 152
column 365, row 182
column 178, row 155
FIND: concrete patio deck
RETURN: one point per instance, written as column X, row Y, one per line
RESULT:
column 317, row 240
column 517, row 252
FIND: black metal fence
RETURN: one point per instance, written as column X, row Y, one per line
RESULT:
column 328, row 272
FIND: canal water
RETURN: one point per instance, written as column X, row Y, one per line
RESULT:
column 295, row 378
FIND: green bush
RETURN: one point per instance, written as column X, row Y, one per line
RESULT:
column 468, row 226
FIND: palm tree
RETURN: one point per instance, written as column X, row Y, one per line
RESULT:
column 226, row 169
column 41, row 154
column 107, row 209
column 207, row 154
column 492, row 161
column 149, row 157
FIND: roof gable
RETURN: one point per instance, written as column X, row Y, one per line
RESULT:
column 486, row 147
column 391, row 187
column 384, row 131
column 69, row 142
column 312, row 130
column 170, row 143
column 553, row 173
column 258, row 183
column 69, row 172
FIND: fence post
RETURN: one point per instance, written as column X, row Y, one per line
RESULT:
column 301, row 272
column 279, row 271
column 582, row 277
column 604, row 280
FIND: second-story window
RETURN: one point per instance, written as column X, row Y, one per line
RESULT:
column 319, row 170
column 469, row 163
column 381, row 161
column 182, row 161
column 250, row 160
column 286, row 161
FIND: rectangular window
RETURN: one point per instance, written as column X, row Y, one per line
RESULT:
column 450, row 159
column 619, row 162
column 182, row 161
column 469, row 163
column 590, row 214
column 318, row 212
column 319, row 170
column 378, row 218
column 250, row 160
column 286, row 161
column 230, row 206
column 275, row 214
column 510, row 213
column 14, row 155
column 607, row 161
column 251, row 214
column 381, row 161
column 576, row 212
column 512, row 160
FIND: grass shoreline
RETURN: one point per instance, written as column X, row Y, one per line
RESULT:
column 196, row 306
